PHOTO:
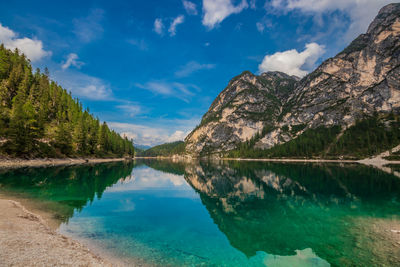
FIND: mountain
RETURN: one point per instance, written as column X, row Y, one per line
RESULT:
column 248, row 104
column 348, row 107
column 38, row 118
column 141, row 147
column 138, row 150
column 167, row 149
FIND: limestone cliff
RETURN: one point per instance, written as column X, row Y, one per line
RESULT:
column 244, row 108
column 362, row 80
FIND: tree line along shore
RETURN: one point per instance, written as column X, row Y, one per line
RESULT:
column 40, row 119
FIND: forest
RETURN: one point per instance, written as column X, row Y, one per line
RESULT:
column 368, row 136
column 168, row 149
column 39, row 118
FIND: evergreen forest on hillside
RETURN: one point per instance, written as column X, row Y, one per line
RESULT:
column 164, row 150
column 38, row 118
column 369, row 136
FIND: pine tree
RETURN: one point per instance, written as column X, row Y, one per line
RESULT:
column 38, row 116
column 103, row 139
column 81, row 137
column 63, row 140
column 23, row 129
column 93, row 136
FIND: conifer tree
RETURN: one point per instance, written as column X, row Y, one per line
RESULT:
column 37, row 116
column 23, row 126
column 63, row 139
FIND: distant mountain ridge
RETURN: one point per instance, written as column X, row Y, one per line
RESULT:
column 141, row 147
column 349, row 106
column 164, row 150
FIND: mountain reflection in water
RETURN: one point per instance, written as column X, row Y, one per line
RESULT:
column 282, row 208
column 276, row 214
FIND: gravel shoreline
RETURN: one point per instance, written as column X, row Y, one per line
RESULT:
column 20, row 163
column 27, row 240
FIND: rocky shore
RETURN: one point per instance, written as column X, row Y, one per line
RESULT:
column 27, row 240
column 18, row 163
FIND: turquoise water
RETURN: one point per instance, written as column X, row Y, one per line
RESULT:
column 223, row 213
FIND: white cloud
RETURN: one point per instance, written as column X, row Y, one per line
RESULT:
column 94, row 92
column 89, row 28
column 146, row 178
column 158, row 26
column 264, row 24
column 157, row 87
column 174, row 89
column 6, row 34
column 360, row 12
column 172, row 28
column 177, row 136
column 292, row 62
column 320, row 6
column 192, row 67
column 151, row 136
column 131, row 109
column 190, row 7
column 32, row 48
column 215, row 11
column 82, row 85
column 72, row 60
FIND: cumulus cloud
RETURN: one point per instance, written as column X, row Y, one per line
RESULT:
column 151, row 136
column 158, row 26
column 82, row 85
column 72, row 60
column 190, row 7
column 172, row 89
column 177, row 136
column 32, row 48
column 293, row 62
column 172, row 28
column 215, row 11
column 89, row 28
column 192, row 67
column 360, row 12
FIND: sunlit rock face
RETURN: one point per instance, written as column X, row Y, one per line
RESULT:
column 364, row 78
column 244, row 108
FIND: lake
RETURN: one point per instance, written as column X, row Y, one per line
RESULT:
column 162, row 213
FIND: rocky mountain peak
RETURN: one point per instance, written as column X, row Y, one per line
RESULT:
column 362, row 80
column 244, row 108
column 387, row 16
column 278, row 75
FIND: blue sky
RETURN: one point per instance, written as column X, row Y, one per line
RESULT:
column 151, row 69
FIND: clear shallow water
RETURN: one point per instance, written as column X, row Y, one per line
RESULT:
column 224, row 214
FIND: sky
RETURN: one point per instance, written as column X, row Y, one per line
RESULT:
column 152, row 68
